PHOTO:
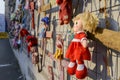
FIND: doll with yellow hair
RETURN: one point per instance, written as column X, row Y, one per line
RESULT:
column 78, row 51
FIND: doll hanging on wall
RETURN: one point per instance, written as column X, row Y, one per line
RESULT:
column 65, row 12
column 42, row 33
column 59, row 50
column 78, row 51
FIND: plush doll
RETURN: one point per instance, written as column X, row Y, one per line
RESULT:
column 78, row 51
column 59, row 44
column 27, row 5
column 32, row 44
column 42, row 33
column 65, row 11
column 32, row 13
column 24, row 32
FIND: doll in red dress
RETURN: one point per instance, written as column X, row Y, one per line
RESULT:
column 78, row 51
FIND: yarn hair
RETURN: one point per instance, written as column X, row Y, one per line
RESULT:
column 89, row 21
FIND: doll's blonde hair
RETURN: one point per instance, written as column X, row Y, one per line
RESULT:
column 89, row 21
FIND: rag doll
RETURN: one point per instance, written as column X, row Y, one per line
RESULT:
column 23, row 32
column 59, row 44
column 32, row 13
column 31, row 44
column 32, row 47
column 65, row 11
column 45, row 22
column 78, row 51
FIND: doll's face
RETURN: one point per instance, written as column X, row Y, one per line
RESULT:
column 77, row 26
column 44, row 25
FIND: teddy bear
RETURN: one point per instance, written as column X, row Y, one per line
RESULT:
column 78, row 50
column 65, row 11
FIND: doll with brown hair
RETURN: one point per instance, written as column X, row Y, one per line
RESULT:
column 78, row 51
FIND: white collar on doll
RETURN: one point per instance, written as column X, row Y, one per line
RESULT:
column 80, row 32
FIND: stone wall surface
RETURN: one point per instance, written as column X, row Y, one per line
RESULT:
column 105, row 62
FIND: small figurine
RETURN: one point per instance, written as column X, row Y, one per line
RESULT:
column 42, row 33
column 59, row 50
column 78, row 51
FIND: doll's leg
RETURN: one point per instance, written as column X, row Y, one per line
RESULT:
column 81, row 71
column 72, row 67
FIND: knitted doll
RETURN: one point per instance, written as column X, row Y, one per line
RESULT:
column 65, row 11
column 78, row 51
column 59, row 44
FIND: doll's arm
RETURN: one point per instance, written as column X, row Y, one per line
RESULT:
column 84, row 42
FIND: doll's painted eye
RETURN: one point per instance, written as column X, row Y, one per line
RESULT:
column 76, row 22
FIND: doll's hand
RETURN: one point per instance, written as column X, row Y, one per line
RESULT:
column 84, row 43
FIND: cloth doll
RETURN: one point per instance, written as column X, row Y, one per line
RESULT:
column 24, row 32
column 27, row 5
column 32, row 13
column 32, row 44
column 78, row 51
column 59, row 44
column 65, row 11
column 42, row 33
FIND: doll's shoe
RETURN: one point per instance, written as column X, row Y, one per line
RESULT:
column 71, row 68
column 81, row 71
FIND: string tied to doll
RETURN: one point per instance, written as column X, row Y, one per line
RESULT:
column 84, row 5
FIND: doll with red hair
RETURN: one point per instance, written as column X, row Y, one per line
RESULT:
column 78, row 51
column 32, row 43
column 23, row 32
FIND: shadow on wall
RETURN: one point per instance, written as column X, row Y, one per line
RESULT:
column 99, row 59
column 54, row 23
column 103, row 60
column 113, row 25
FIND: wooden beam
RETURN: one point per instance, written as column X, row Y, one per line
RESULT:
column 109, row 38
column 45, row 7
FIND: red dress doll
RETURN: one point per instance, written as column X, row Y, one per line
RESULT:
column 78, row 51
